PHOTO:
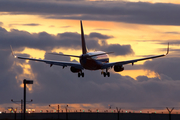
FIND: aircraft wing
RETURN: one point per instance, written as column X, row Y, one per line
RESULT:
column 52, row 62
column 107, row 65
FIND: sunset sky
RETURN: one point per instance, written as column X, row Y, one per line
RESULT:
column 130, row 28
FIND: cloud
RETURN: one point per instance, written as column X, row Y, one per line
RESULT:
column 1, row 23
column 2, row 30
column 99, row 36
column 171, row 42
column 67, row 40
column 118, row 49
column 166, row 66
column 9, row 88
column 29, row 24
column 65, row 26
column 57, row 85
column 129, row 12
column 62, row 86
column 103, row 29
column 173, row 32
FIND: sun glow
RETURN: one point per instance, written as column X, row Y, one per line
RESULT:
column 26, row 73
column 135, row 73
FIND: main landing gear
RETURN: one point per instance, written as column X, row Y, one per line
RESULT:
column 105, row 73
column 80, row 74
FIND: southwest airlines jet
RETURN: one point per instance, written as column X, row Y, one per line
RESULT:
column 97, row 60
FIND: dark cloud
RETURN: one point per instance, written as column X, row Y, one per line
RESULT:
column 1, row 23
column 67, row 40
column 30, row 24
column 103, row 29
column 118, row 49
column 99, row 36
column 142, row 78
column 130, row 12
column 166, row 66
column 65, row 26
column 2, row 30
column 171, row 42
column 57, row 85
column 70, row 0
column 94, row 88
column 9, row 87
column 172, row 32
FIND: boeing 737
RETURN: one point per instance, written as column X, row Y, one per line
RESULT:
column 97, row 60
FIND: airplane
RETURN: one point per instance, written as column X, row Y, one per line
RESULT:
column 97, row 60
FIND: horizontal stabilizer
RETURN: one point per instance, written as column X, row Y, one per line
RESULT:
column 64, row 55
column 100, row 54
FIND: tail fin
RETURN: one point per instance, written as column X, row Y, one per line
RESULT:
column 84, row 49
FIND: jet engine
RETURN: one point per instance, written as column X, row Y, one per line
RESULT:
column 118, row 68
column 74, row 70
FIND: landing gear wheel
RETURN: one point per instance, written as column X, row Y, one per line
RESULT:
column 108, row 74
column 104, row 74
column 81, row 74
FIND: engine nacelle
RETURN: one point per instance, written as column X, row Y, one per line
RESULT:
column 118, row 68
column 74, row 70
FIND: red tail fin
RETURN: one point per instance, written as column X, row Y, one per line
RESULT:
column 84, row 49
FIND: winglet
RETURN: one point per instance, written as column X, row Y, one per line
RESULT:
column 12, row 51
column 167, row 49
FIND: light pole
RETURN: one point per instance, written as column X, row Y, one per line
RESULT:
column 118, row 111
column 57, row 110
column 21, row 105
column 66, row 112
column 170, row 111
column 25, row 82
